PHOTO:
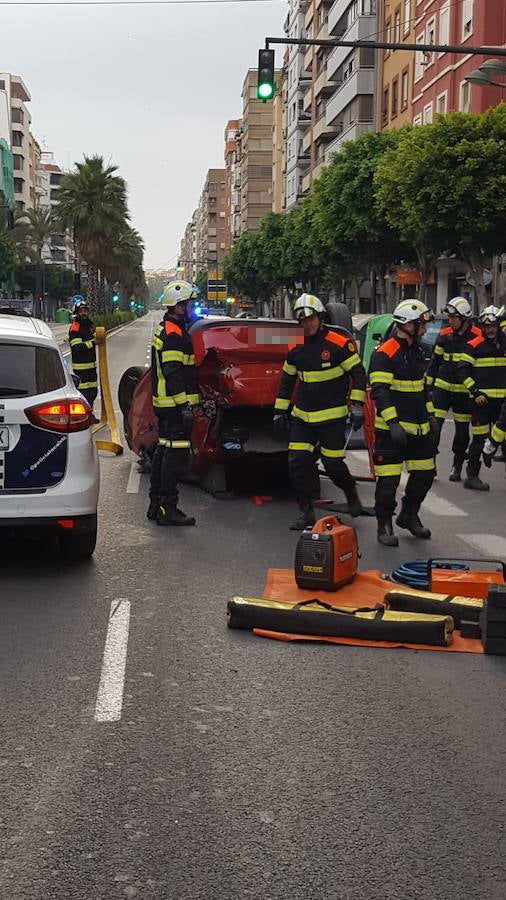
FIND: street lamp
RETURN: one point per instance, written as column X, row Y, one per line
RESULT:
column 482, row 75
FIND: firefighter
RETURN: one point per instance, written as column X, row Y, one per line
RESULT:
column 175, row 394
column 84, row 352
column 497, row 437
column 405, row 428
column 482, row 369
column 329, row 374
column 447, row 392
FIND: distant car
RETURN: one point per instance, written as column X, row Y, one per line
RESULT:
column 49, row 472
column 14, row 311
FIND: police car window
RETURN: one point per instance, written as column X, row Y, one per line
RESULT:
column 27, row 370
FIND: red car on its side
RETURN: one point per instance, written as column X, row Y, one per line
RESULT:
column 239, row 367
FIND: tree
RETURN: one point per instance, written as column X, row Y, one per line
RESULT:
column 33, row 230
column 123, row 264
column 245, row 270
column 351, row 232
column 92, row 203
column 201, row 283
column 444, row 185
column 59, row 282
column 8, row 257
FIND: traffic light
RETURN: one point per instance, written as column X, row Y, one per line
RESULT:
column 265, row 88
column 115, row 298
column 230, row 300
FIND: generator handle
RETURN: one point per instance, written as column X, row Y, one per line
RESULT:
column 463, row 559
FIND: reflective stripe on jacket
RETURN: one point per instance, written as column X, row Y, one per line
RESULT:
column 396, row 374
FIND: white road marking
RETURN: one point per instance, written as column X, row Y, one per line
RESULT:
column 491, row 545
column 134, row 479
column 438, row 506
column 112, row 678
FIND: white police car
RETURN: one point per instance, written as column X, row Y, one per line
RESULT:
column 49, row 471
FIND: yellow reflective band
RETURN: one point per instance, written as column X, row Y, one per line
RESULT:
column 357, row 395
column 430, row 407
column 389, row 413
column 189, row 359
column 193, row 399
column 452, row 357
column 440, row 413
column 420, row 465
column 75, row 341
column 300, row 445
column 352, row 361
column 480, row 429
column 288, row 369
column 412, row 428
column 438, row 350
column 180, row 445
column 320, row 415
column 408, row 387
column 324, row 375
column 498, row 435
column 281, row 404
column 332, row 454
column 89, row 344
column 496, row 393
column 87, row 384
column 461, row 417
column 180, row 398
column 81, row 367
column 490, row 362
column 429, row 380
column 381, row 378
column 469, row 383
column 383, row 471
column 464, row 357
column 450, row 386
column 173, row 356
column 163, row 402
column 157, row 343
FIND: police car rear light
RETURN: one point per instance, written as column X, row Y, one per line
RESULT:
column 65, row 523
column 65, row 417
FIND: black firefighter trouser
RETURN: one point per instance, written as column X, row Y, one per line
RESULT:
column 460, row 405
column 170, row 458
column 482, row 420
column 329, row 439
column 389, row 458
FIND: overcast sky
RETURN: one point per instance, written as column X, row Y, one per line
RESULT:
column 150, row 88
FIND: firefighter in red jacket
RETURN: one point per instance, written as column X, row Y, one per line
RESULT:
column 330, row 374
column 175, row 394
column 84, row 352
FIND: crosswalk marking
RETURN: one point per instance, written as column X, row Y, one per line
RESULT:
column 438, row 506
column 491, row 545
column 134, row 479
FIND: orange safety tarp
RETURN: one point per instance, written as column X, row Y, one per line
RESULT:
column 367, row 589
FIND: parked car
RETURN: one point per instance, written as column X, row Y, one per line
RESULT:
column 239, row 367
column 49, row 472
column 14, row 311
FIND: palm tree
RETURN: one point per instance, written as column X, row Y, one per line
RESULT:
column 33, row 230
column 92, row 203
column 124, row 263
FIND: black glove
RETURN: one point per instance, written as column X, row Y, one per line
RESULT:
column 187, row 420
column 281, row 424
column 357, row 415
column 398, row 434
column 434, row 427
column 480, row 399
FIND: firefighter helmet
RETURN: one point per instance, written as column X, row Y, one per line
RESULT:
column 177, row 292
column 411, row 311
column 308, row 304
column 458, row 306
column 491, row 315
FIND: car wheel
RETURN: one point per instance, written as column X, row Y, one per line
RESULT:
column 128, row 382
column 78, row 546
column 339, row 314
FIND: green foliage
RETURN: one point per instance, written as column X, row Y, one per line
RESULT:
column 201, row 282
column 59, row 282
column 8, row 257
column 112, row 320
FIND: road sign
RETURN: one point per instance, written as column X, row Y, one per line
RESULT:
column 216, row 287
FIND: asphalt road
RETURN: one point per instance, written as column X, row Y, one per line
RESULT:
column 240, row 767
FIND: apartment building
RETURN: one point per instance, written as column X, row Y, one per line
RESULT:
column 317, row 89
column 188, row 255
column 439, row 79
column 231, row 130
column 210, row 238
column 279, row 143
column 396, row 22
column 18, row 96
column 297, row 119
column 254, row 154
column 49, row 177
column 7, row 202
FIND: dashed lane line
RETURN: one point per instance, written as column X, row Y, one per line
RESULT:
column 112, row 678
column 491, row 545
column 134, row 479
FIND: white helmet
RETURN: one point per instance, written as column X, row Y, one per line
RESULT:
column 458, row 306
column 491, row 315
column 177, row 292
column 308, row 304
column 411, row 311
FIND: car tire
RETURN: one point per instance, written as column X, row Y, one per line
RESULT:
column 77, row 547
column 339, row 314
column 127, row 385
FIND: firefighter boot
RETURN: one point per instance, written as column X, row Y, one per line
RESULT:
column 409, row 519
column 355, row 507
column 386, row 534
column 473, row 481
column 306, row 518
column 154, row 506
column 455, row 474
column 169, row 514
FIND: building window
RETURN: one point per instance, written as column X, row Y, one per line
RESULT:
column 441, row 102
column 18, row 185
column 388, row 34
column 397, row 26
column 17, row 139
column 18, row 116
column 430, row 38
column 419, row 61
column 465, row 96
column 18, row 162
column 427, row 114
column 404, row 88
column 417, row 120
column 407, row 17
column 384, row 108
column 467, row 18
column 395, row 97
column 444, row 24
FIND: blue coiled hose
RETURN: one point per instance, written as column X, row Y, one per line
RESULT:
column 414, row 573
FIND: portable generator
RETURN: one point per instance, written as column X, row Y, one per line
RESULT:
column 326, row 557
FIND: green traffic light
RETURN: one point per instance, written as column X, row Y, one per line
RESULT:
column 265, row 91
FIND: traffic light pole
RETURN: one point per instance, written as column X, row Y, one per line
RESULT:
column 389, row 45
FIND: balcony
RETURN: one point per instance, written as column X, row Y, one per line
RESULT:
column 361, row 81
column 360, row 30
column 323, row 86
column 351, row 133
column 323, row 132
column 305, row 79
column 307, row 141
column 303, row 159
column 307, row 101
column 308, row 60
column 323, row 31
column 304, row 119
